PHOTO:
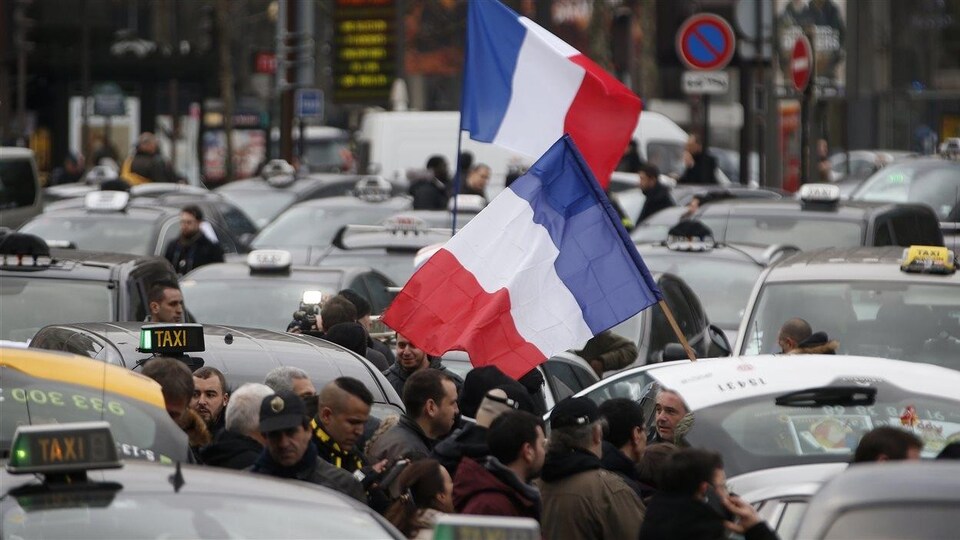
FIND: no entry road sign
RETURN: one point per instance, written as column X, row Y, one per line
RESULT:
column 801, row 63
column 705, row 42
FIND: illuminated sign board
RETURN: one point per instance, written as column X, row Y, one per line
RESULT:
column 62, row 447
column 171, row 338
column 365, row 50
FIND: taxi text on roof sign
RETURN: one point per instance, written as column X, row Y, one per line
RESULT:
column 57, row 448
column 927, row 260
column 819, row 193
column 171, row 338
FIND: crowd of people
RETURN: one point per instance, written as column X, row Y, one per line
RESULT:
column 477, row 446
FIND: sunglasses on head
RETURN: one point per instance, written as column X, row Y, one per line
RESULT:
column 512, row 403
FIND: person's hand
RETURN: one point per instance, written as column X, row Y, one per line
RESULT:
column 747, row 514
column 380, row 467
column 687, row 159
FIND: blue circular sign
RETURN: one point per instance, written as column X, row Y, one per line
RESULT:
column 706, row 42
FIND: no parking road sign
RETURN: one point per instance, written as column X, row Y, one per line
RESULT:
column 705, row 42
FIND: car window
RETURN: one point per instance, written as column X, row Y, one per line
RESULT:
column 904, row 321
column 139, row 515
column 236, row 220
column 929, row 520
column 561, row 379
column 681, row 308
column 910, row 228
column 807, row 232
column 69, row 340
column 790, row 518
column 257, row 303
column 585, row 376
column 115, row 234
column 311, row 226
column 28, row 304
column 376, row 286
column 936, row 187
column 226, row 240
column 262, row 205
column 18, row 186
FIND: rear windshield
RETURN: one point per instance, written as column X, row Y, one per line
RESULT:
column 28, row 304
column 267, row 303
column 116, row 234
column 311, row 226
column 806, row 233
column 142, row 431
column 18, row 187
column 262, row 206
column 135, row 515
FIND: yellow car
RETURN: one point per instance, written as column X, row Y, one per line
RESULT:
column 41, row 387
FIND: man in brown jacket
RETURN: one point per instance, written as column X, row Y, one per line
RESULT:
column 580, row 499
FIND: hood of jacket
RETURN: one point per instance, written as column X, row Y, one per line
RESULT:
column 232, row 450
column 470, row 441
column 817, row 343
column 476, row 477
column 560, row 465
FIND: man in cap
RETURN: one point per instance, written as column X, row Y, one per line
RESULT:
column 289, row 451
column 580, row 499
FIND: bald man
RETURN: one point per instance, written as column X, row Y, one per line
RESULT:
column 792, row 333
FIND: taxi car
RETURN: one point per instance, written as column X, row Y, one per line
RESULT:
column 266, row 289
column 266, row 197
column 884, row 302
column 886, row 500
column 110, row 221
column 722, row 275
column 242, row 354
column 40, row 286
column 308, row 228
column 65, row 481
column 819, row 219
column 786, row 423
column 39, row 387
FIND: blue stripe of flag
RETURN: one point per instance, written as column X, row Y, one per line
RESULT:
column 494, row 38
column 597, row 262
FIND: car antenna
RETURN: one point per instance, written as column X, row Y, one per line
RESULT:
column 177, row 479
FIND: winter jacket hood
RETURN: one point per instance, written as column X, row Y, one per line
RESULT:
column 489, row 488
column 231, row 450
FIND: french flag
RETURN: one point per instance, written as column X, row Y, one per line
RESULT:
column 544, row 267
column 524, row 88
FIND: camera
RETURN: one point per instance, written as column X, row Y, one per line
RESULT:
column 306, row 314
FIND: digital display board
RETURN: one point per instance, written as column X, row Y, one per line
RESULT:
column 365, row 50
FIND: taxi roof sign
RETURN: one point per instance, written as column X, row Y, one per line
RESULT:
column 62, row 448
column 172, row 339
column 820, row 193
column 467, row 202
column 106, row 201
column 279, row 173
column 269, row 260
column 373, row 189
column 927, row 260
column 402, row 223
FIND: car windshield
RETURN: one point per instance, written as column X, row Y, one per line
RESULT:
column 262, row 206
column 170, row 514
column 117, row 234
column 723, row 285
column 313, row 226
column 754, row 433
column 806, row 233
column 142, row 431
column 937, row 187
column 255, row 303
column 904, row 321
column 667, row 156
column 28, row 304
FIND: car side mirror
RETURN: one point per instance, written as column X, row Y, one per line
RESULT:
column 719, row 339
column 673, row 351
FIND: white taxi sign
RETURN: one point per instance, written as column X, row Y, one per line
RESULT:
column 106, row 201
column 819, row 193
column 466, row 202
column 269, row 259
column 373, row 189
column 927, row 260
column 398, row 224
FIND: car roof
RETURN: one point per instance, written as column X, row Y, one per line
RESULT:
column 240, row 270
column 143, row 477
column 144, row 209
column 704, row 383
column 247, row 354
column 751, row 253
column 904, row 483
column 851, row 264
column 75, row 369
column 346, row 201
column 843, row 210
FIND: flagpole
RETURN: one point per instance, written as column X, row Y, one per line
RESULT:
column 676, row 329
column 456, row 175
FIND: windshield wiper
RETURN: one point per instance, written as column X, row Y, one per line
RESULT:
column 847, row 396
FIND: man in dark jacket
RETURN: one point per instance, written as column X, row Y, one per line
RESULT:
column 192, row 249
column 240, row 444
column 410, row 359
column 364, row 310
column 470, row 441
column 290, row 453
column 701, row 167
column 624, row 440
column 694, row 503
column 147, row 164
column 498, row 485
column 430, row 191
column 430, row 400
column 656, row 195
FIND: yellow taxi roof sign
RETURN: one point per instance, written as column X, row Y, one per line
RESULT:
column 75, row 369
column 927, row 260
column 62, row 448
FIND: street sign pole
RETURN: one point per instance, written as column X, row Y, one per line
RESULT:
column 802, row 70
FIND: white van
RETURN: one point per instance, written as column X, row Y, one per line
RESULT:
column 324, row 150
column 20, row 195
column 394, row 142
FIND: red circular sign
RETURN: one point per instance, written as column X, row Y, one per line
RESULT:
column 801, row 63
column 706, row 42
